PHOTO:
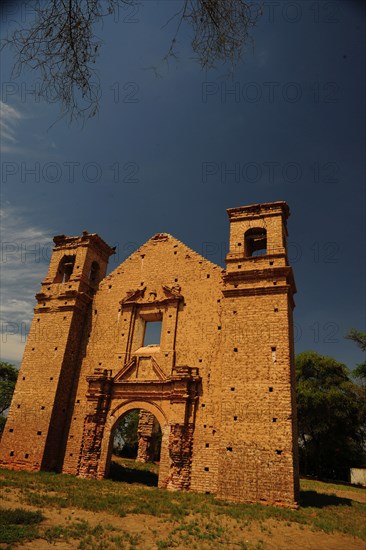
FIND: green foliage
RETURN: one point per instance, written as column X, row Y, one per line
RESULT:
column 8, row 378
column 360, row 339
column 328, row 417
column 18, row 524
column 125, row 436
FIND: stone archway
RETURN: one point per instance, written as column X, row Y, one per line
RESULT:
column 117, row 412
column 172, row 400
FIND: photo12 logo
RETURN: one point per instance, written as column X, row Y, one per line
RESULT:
column 69, row 172
column 270, row 92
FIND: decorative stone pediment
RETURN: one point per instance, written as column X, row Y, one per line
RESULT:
column 141, row 368
column 159, row 296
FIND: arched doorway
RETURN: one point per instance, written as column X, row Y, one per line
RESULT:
column 136, row 447
column 172, row 400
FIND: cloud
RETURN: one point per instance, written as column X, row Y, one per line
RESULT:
column 25, row 253
column 9, row 119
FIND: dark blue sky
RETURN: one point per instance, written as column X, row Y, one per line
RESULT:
column 171, row 154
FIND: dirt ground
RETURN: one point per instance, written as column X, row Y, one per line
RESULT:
column 269, row 534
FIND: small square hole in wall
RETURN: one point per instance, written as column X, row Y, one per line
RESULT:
column 270, row 263
column 274, row 282
column 23, row 377
column 235, row 418
column 203, row 405
column 239, row 266
column 218, row 301
column 270, row 389
column 200, row 360
column 213, row 432
column 230, row 449
column 11, row 429
column 175, row 280
column 39, row 433
column 70, row 454
column 235, row 349
column 207, row 469
column 33, row 349
column 11, row 453
column 175, row 252
column 205, row 425
column 234, row 312
column 276, row 309
column 142, row 282
column 78, row 401
column 274, row 419
column 109, row 286
column 55, row 349
column 26, row 455
column 218, row 328
column 51, row 378
column 18, row 406
column 208, row 275
column 64, row 317
column 273, row 348
column 207, row 445
column 278, row 451
column 42, row 408
column 232, row 389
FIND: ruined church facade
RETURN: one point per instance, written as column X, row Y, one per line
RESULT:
column 220, row 383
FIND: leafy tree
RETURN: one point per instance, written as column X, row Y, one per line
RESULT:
column 359, row 373
column 360, row 339
column 8, row 378
column 328, row 417
column 61, row 43
column 125, row 441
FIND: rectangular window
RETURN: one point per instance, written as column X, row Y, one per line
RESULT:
column 152, row 333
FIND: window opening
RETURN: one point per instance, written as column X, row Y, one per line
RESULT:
column 255, row 242
column 152, row 333
column 65, row 269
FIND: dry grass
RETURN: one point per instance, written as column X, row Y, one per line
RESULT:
column 194, row 520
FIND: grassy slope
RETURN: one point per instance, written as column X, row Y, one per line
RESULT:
column 318, row 510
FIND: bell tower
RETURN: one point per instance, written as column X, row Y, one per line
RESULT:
column 38, row 421
column 258, row 384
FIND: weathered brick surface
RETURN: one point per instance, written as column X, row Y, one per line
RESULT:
column 220, row 384
column 147, row 431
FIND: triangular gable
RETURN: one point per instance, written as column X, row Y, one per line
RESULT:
column 125, row 374
column 166, row 237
